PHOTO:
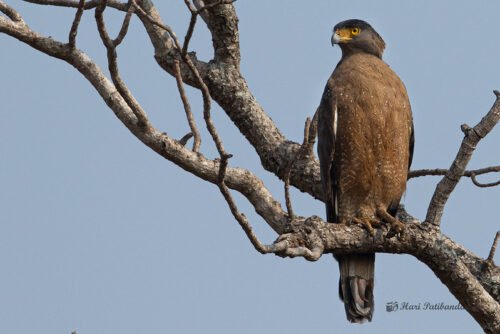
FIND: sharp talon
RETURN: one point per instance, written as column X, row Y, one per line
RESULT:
column 391, row 234
column 396, row 227
column 376, row 223
column 365, row 223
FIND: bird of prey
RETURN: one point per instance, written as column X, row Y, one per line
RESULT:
column 365, row 148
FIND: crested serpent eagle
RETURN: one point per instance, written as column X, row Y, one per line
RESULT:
column 365, row 147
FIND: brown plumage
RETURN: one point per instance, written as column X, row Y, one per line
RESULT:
column 365, row 146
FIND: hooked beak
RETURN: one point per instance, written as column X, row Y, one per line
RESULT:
column 335, row 39
column 340, row 36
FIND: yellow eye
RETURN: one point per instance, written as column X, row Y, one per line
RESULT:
column 355, row 31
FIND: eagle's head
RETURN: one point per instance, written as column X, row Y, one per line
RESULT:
column 357, row 36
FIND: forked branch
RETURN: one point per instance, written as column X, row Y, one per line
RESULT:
column 457, row 168
column 111, row 45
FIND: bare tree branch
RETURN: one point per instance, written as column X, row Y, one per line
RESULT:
column 124, row 28
column 313, row 131
column 455, row 267
column 10, row 12
column 183, row 141
column 483, row 185
column 304, row 149
column 223, row 24
column 273, row 149
column 74, row 27
column 224, row 156
column 191, row 26
column 113, row 64
column 238, row 179
column 457, row 168
column 288, row 200
column 187, row 108
column 159, row 24
column 229, row 89
column 441, row 171
column 76, row 3
column 240, row 218
column 493, row 248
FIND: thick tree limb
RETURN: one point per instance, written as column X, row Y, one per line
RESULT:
column 222, row 22
column 457, row 168
column 230, row 90
column 471, row 279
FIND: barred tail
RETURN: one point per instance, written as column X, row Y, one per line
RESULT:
column 356, row 285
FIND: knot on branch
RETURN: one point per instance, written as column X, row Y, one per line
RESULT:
column 466, row 129
column 305, row 240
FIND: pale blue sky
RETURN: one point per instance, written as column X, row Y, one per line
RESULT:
column 98, row 234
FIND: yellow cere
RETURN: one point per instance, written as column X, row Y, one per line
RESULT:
column 347, row 34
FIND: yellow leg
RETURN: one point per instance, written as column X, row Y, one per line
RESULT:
column 366, row 223
column 397, row 227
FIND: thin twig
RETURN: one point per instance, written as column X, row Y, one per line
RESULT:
column 190, row 6
column 74, row 27
column 165, row 27
column 493, row 248
column 483, row 185
column 194, row 15
column 183, row 141
column 224, row 156
column 113, row 64
column 190, row 30
column 304, row 148
column 313, row 131
column 468, row 173
column 448, row 183
column 442, row 171
column 240, row 218
column 288, row 201
column 177, row 74
column 187, row 107
column 126, row 22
